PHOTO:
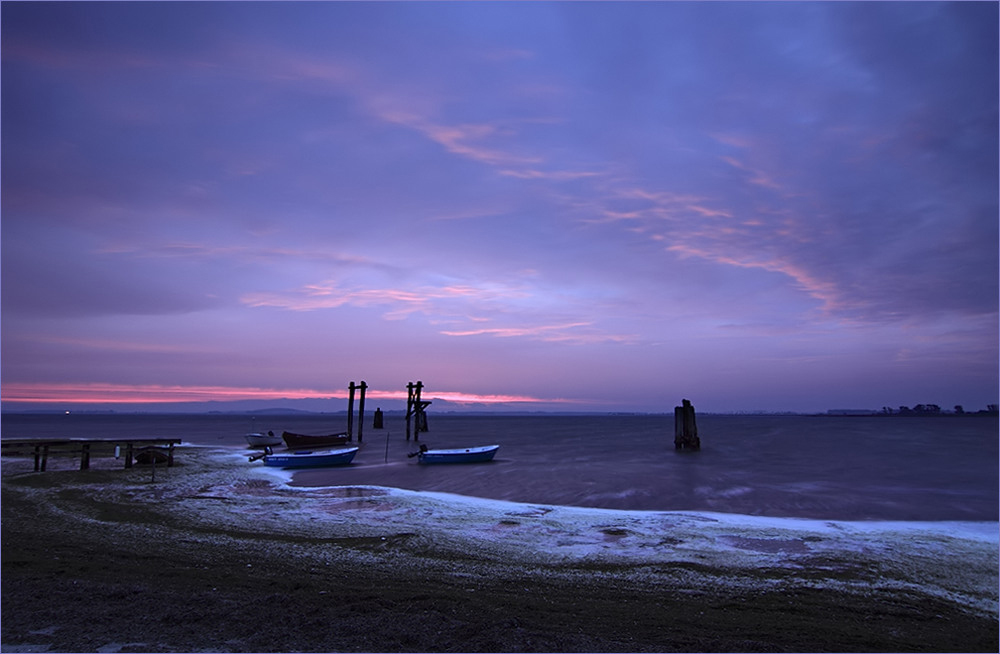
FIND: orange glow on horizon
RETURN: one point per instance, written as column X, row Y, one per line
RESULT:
column 161, row 394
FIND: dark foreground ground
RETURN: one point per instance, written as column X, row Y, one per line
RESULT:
column 129, row 578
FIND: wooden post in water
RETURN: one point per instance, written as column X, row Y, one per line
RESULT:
column 422, row 417
column 685, row 428
column 409, row 406
column 350, row 411
column 361, row 409
column 85, row 457
column 415, row 408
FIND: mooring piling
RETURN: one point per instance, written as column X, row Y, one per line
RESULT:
column 351, row 388
column 685, row 428
column 415, row 408
column 361, row 409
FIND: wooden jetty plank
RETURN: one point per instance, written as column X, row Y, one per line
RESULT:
column 40, row 448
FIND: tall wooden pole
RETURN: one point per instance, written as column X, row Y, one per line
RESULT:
column 418, row 409
column 350, row 411
column 361, row 409
column 409, row 407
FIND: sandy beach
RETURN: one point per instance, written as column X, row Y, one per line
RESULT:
column 219, row 555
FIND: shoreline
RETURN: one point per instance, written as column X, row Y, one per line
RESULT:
column 216, row 556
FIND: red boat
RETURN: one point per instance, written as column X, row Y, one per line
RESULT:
column 305, row 440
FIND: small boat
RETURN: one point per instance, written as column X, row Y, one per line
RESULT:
column 459, row 455
column 311, row 459
column 152, row 455
column 257, row 439
column 305, row 440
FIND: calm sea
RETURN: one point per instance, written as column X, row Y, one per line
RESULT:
column 837, row 468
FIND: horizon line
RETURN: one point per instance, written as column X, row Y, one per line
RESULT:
column 107, row 393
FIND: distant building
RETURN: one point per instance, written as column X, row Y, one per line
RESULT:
column 851, row 412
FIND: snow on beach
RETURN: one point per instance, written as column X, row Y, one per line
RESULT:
column 952, row 560
column 219, row 492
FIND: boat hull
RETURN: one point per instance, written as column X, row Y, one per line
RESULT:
column 460, row 455
column 152, row 455
column 262, row 440
column 293, row 440
column 322, row 459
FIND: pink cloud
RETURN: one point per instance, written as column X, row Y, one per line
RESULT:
column 826, row 292
column 555, row 175
column 38, row 393
column 756, row 175
column 557, row 333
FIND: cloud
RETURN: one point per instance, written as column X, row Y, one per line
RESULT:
column 464, row 310
column 569, row 333
column 125, row 394
column 498, row 183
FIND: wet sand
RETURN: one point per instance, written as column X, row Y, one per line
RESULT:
column 214, row 557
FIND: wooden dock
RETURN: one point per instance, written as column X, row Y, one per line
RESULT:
column 40, row 448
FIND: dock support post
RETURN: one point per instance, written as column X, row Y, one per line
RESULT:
column 85, row 457
column 409, row 407
column 419, row 425
column 45, row 456
column 128, row 455
column 415, row 408
column 170, row 456
column 685, row 428
column 361, row 408
column 38, row 458
column 350, row 411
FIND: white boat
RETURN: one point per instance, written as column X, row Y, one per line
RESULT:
column 459, row 455
column 303, row 459
column 257, row 439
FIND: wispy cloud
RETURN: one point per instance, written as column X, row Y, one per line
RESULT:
column 465, row 310
column 555, row 175
column 397, row 301
column 826, row 292
column 568, row 333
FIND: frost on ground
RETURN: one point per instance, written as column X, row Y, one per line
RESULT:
column 218, row 494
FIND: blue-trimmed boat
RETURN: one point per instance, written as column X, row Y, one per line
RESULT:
column 311, row 459
column 458, row 455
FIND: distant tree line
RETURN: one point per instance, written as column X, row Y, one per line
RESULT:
column 935, row 410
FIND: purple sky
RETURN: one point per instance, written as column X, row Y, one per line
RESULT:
column 599, row 206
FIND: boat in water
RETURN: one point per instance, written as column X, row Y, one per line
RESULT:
column 257, row 439
column 293, row 440
column 458, row 455
column 310, row 458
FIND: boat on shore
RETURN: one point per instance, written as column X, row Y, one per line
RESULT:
column 457, row 455
column 310, row 458
column 257, row 439
column 152, row 455
column 293, row 440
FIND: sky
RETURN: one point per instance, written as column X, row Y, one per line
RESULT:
column 543, row 206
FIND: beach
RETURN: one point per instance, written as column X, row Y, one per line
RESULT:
column 216, row 555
